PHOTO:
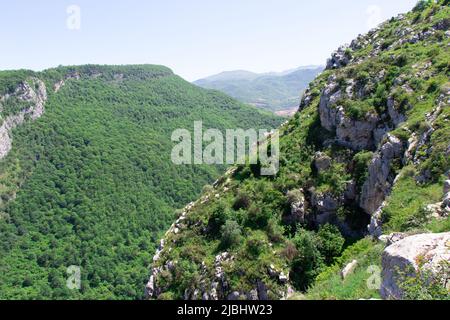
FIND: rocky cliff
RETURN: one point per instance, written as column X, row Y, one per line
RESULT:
column 31, row 95
column 372, row 125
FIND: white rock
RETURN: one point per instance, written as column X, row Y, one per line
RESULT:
column 404, row 255
column 349, row 269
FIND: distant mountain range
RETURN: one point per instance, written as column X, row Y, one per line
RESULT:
column 275, row 91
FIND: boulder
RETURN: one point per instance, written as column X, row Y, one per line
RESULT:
column 234, row 296
column 298, row 205
column 322, row 162
column 405, row 256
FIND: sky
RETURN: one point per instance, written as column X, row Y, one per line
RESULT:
column 195, row 38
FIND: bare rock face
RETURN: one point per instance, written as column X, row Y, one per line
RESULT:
column 32, row 93
column 340, row 58
column 405, row 255
column 355, row 134
column 380, row 179
column 396, row 116
column 328, row 100
column 298, row 204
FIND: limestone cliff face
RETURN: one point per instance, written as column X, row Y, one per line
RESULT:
column 32, row 94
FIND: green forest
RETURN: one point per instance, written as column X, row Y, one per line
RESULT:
column 91, row 182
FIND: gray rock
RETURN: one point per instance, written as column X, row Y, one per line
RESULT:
column 446, row 186
column 34, row 95
column 395, row 115
column 325, row 203
column 322, row 162
column 252, row 295
column 283, row 278
column 403, row 256
column 339, row 58
column 262, row 290
column 392, row 238
column 380, row 179
column 234, row 296
column 297, row 202
column 356, row 134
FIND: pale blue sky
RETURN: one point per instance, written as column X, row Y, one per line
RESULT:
column 195, row 38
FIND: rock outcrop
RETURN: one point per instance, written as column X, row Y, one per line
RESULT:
column 424, row 251
column 32, row 94
column 380, row 180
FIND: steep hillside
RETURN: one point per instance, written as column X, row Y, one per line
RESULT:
column 271, row 91
column 367, row 154
column 86, row 177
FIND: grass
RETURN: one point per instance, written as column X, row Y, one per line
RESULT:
column 407, row 201
column 329, row 284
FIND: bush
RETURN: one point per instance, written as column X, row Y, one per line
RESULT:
column 306, row 266
column 258, row 217
column 242, row 201
column 231, row 234
column 330, row 242
column 357, row 110
column 401, row 60
column 425, row 285
column 422, row 5
column 218, row 218
column 361, row 162
column 256, row 244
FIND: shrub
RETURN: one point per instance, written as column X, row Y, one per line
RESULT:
column 334, row 179
column 255, row 244
column 231, row 234
column 218, row 218
column 258, row 217
column 357, row 110
column 290, row 251
column 361, row 162
column 425, row 284
column 242, row 201
column 330, row 242
column 306, row 266
column 401, row 60
column 422, row 5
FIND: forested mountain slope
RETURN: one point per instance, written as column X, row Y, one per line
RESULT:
column 86, row 177
column 369, row 146
column 271, row 91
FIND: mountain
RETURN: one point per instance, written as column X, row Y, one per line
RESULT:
column 364, row 164
column 86, row 177
column 271, row 91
